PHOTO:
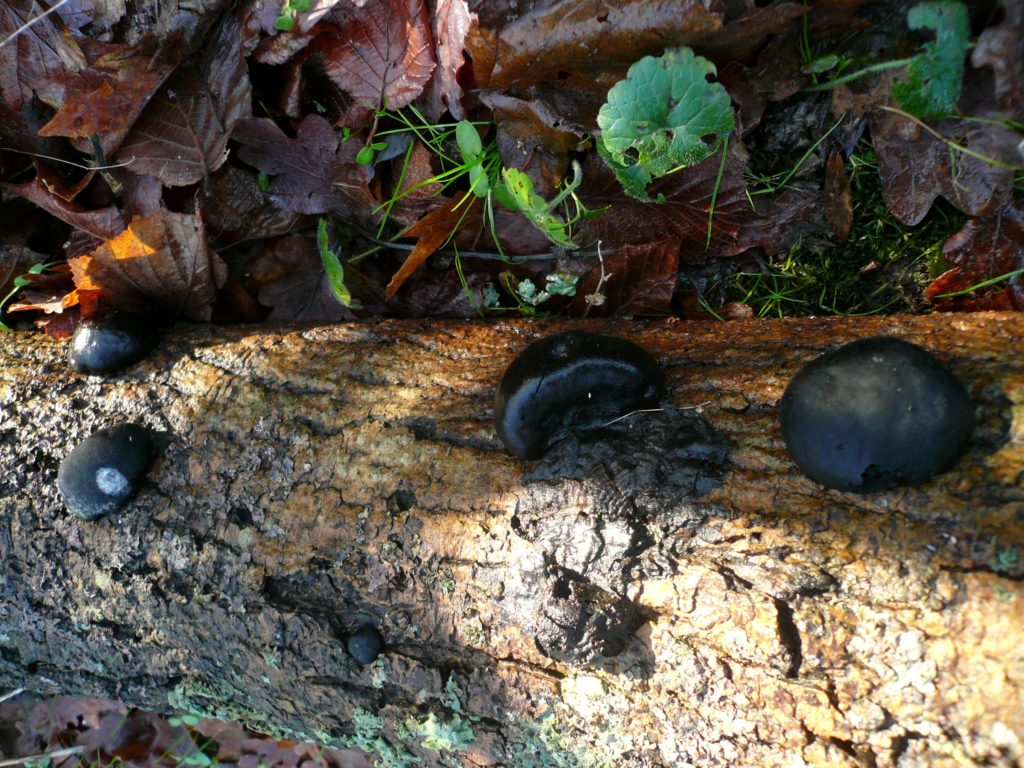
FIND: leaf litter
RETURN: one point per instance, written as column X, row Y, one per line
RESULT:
column 212, row 132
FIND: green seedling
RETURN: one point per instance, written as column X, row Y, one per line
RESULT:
column 663, row 117
column 934, row 75
column 289, row 11
column 332, row 266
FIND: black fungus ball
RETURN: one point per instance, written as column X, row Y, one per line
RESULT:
column 568, row 380
column 110, row 344
column 874, row 414
column 364, row 644
column 105, row 470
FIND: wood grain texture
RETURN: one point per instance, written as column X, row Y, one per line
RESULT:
column 313, row 480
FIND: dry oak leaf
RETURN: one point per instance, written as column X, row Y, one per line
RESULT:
column 381, row 53
column 163, row 260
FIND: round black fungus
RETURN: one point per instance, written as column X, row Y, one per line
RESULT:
column 874, row 414
column 105, row 470
column 108, row 345
column 571, row 380
column 364, row 644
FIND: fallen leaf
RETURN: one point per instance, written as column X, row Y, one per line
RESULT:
column 433, row 231
column 742, row 38
column 299, row 290
column 103, row 223
column 537, row 41
column 838, row 198
column 1001, row 47
column 105, row 98
column 41, row 57
column 528, row 133
column 681, row 219
column 641, row 280
column 182, row 134
column 983, row 249
column 234, row 207
column 916, row 166
column 450, row 22
column 98, row 15
column 313, row 173
column 14, row 262
column 381, row 53
column 160, row 260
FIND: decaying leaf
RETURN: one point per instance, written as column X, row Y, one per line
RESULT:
column 433, row 231
column 982, row 250
column 639, row 281
column 102, row 223
column 162, row 261
column 1001, row 47
column 838, row 198
column 235, row 208
column 106, row 98
column 451, row 21
column 41, row 57
column 381, row 54
column 916, row 166
column 182, row 134
column 313, row 173
column 539, row 41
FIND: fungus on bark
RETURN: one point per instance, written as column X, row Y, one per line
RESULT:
column 364, row 644
column 110, row 344
column 571, row 380
column 874, row 414
column 105, row 470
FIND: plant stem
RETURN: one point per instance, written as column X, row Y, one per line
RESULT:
column 879, row 67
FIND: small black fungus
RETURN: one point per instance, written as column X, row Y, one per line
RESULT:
column 364, row 644
column 105, row 470
column 874, row 414
column 572, row 379
column 110, row 344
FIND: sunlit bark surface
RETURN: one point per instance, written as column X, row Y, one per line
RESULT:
column 313, row 481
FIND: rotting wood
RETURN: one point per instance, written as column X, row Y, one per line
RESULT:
column 314, row 480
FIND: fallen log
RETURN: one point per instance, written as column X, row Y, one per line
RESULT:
column 669, row 592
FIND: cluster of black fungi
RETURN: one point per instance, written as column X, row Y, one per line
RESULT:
column 864, row 417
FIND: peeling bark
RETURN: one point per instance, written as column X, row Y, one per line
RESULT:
column 314, row 481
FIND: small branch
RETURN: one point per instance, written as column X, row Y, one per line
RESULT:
column 44, row 756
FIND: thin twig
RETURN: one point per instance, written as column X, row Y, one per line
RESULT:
column 11, row 695
column 44, row 756
column 30, row 22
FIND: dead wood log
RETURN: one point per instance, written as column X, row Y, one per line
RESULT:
column 313, row 481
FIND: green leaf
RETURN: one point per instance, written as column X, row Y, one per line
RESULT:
column 478, row 181
column 562, row 284
column 934, row 76
column 285, row 23
column 301, row 6
column 263, row 180
column 525, row 200
column 468, row 139
column 664, row 115
column 365, row 155
column 332, row 266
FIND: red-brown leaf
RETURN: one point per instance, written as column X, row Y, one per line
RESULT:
column 1001, row 47
column 181, row 135
column 641, row 280
column 107, row 97
column 981, row 250
column 42, row 55
column 382, row 54
column 161, row 260
column 451, row 21
column 433, row 231
column 313, row 173
column 102, row 223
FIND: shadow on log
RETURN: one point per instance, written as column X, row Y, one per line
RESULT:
column 673, row 593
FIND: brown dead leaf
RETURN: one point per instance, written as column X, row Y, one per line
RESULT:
column 163, row 260
column 289, row 278
column 235, row 208
column 530, row 136
column 103, row 223
column 181, row 136
column 641, row 280
column 451, row 21
column 106, row 98
column 983, row 249
column 313, row 173
column 535, row 42
column 380, row 53
column 14, row 262
column 1001, row 47
column 41, row 57
column 681, row 219
column 433, row 231
column 742, row 38
column 916, row 166
column 838, row 198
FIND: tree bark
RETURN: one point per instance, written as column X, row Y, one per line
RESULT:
column 312, row 481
